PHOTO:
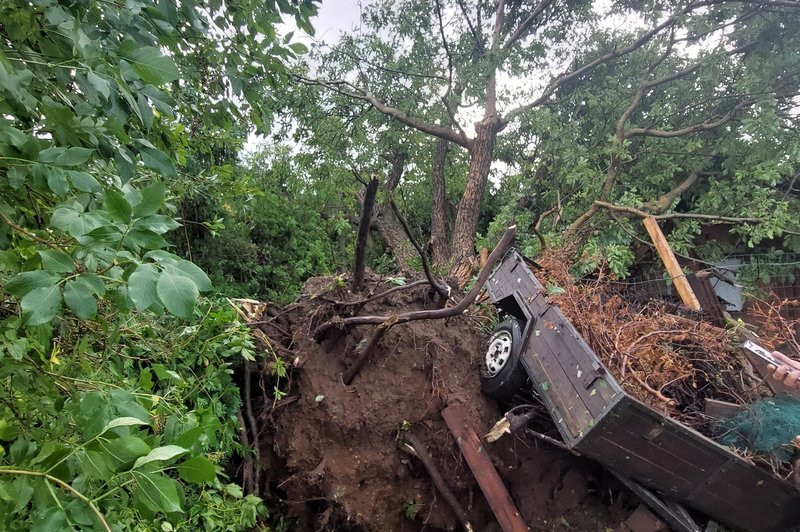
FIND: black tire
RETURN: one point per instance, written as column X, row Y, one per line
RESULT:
column 511, row 376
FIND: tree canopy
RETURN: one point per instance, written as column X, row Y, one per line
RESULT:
column 134, row 200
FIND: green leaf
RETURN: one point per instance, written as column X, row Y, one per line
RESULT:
column 122, row 452
column 94, row 465
column 57, row 261
column 152, row 199
column 86, row 222
column 145, row 111
column 40, row 306
column 118, row 207
column 22, row 283
column 53, row 518
column 56, row 180
column 80, row 300
column 159, row 454
column 62, row 217
column 298, row 48
column 197, row 469
column 142, row 286
column 177, row 294
column 84, row 182
column 190, row 437
column 93, row 283
column 234, row 490
column 156, row 223
column 49, row 155
column 158, row 492
column 126, row 421
column 197, row 275
column 101, row 85
column 73, row 157
column 151, row 66
column 22, row 488
column 158, row 161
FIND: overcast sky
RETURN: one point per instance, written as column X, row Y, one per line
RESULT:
column 334, row 18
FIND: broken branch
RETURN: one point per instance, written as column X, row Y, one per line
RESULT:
column 496, row 255
column 435, row 283
column 416, row 448
column 363, row 232
column 710, row 217
column 366, row 351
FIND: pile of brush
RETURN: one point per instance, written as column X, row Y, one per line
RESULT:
column 669, row 361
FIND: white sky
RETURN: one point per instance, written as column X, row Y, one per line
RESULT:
column 335, row 17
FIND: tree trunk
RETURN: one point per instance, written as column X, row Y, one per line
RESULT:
column 469, row 209
column 439, row 241
column 578, row 233
column 387, row 224
column 363, row 232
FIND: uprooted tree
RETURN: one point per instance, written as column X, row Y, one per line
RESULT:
column 688, row 73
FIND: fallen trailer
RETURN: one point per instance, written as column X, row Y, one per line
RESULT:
column 597, row 418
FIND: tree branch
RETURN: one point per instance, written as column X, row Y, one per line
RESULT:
column 446, row 50
column 605, row 58
column 477, row 41
column 459, row 308
column 665, row 200
column 523, row 27
column 440, row 288
column 21, row 230
column 416, row 448
column 446, row 98
column 390, row 70
column 363, row 232
column 63, row 485
column 695, row 128
column 345, row 88
column 710, row 217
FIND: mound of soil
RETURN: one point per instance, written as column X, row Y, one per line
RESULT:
column 331, row 456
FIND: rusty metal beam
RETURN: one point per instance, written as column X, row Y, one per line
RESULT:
column 482, row 468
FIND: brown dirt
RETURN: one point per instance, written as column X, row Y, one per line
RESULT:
column 330, row 456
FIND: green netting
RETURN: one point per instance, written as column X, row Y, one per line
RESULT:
column 766, row 426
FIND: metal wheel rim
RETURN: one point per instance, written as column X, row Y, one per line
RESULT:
column 498, row 353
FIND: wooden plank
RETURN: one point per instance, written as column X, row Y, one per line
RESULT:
column 482, row 468
column 671, row 263
column 721, row 409
column 575, row 357
column 552, row 383
column 708, row 299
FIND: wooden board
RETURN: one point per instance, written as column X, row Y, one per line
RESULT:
column 671, row 263
column 685, row 465
column 482, row 468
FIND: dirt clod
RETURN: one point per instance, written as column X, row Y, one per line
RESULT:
column 335, row 460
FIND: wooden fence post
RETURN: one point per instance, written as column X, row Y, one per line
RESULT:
column 673, row 268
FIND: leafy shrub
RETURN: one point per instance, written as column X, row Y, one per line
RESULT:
column 135, row 415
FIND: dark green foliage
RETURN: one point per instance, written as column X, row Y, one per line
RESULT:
column 137, row 414
column 269, row 251
column 133, row 412
column 262, row 229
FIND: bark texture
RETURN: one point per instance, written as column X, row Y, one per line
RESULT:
column 385, row 221
column 469, row 208
column 363, row 233
column 440, row 244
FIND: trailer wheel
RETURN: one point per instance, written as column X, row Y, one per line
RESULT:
column 502, row 373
